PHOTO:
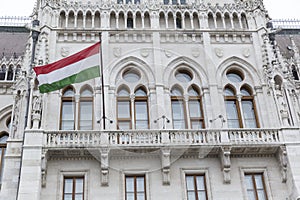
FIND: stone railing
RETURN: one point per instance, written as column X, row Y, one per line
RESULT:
column 253, row 136
column 93, row 139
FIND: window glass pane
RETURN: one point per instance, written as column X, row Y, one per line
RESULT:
column 190, row 183
column 249, row 182
column 194, row 107
column 235, row 78
column 68, row 197
column 178, row 115
column 123, row 93
column 140, row 196
column 200, row 182
column 131, row 75
column 249, row 115
column 245, row 92
column 140, row 184
column 259, row 181
column 129, row 184
column 228, row 92
column 251, row 195
column 261, row 195
column 141, row 110
column 123, row 125
column 124, row 109
column 196, row 124
column 176, row 92
column 3, row 139
column 182, row 76
column 232, row 114
column 86, row 93
column 192, row 92
column 191, row 196
column 67, row 115
column 140, row 93
column 130, row 196
column 202, row 195
column 69, row 93
column 86, row 115
column 68, row 186
column 78, row 197
column 79, row 185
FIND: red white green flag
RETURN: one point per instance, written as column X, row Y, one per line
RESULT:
column 76, row 68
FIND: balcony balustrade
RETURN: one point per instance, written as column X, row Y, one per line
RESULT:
column 157, row 138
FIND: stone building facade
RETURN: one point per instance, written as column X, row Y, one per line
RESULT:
column 199, row 99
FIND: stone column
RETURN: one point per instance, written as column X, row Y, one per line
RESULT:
column 31, row 166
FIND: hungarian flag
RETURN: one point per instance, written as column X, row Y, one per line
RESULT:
column 76, row 68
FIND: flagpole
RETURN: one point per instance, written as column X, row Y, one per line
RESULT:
column 102, row 83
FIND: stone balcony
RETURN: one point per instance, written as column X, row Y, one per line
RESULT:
column 238, row 138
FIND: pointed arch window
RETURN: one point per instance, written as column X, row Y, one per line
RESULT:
column 68, row 110
column 3, row 140
column 248, row 108
column 178, row 109
column 124, row 110
column 232, row 109
column 86, row 110
column 240, row 113
column 195, row 109
column 141, row 109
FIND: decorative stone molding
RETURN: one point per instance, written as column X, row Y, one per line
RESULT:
column 225, row 163
column 165, row 165
column 44, row 159
column 282, row 158
column 104, row 159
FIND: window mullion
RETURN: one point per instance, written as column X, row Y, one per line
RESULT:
column 195, row 186
column 240, row 110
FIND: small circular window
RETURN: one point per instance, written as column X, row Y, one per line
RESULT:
column 183, row 76
column 234, row 76
column 131, row 76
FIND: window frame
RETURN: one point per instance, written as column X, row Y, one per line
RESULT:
column 85, row 99
column 124, row 99
column 67, row 99
column 135, row 183
column 141, row 99
column 74, row 186
column 181, row 100
column 256, row 170
column 195, row 183
column 196, row 119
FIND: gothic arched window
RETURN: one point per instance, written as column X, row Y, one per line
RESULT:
column 86, row 110
column 239, row 102
column 124, row 109
column 178, row 109
column 68, row 110
column 195, row 109
column 141, row 109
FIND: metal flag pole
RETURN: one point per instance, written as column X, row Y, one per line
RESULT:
column 102, row 83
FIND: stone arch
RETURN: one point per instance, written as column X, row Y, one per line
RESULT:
column 251, row 71
column 194, row 66
column 117, row 68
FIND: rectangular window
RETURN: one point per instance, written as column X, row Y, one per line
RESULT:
column 196, row 117
column 135, row 187
column 178, row 114
column 232, row 114
column 141, row 115
column 86, row 115
column 124, row 115
column 249, row 114
column 73, row 188
column 196, row 187
column 68, row 115
column 255, row 186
